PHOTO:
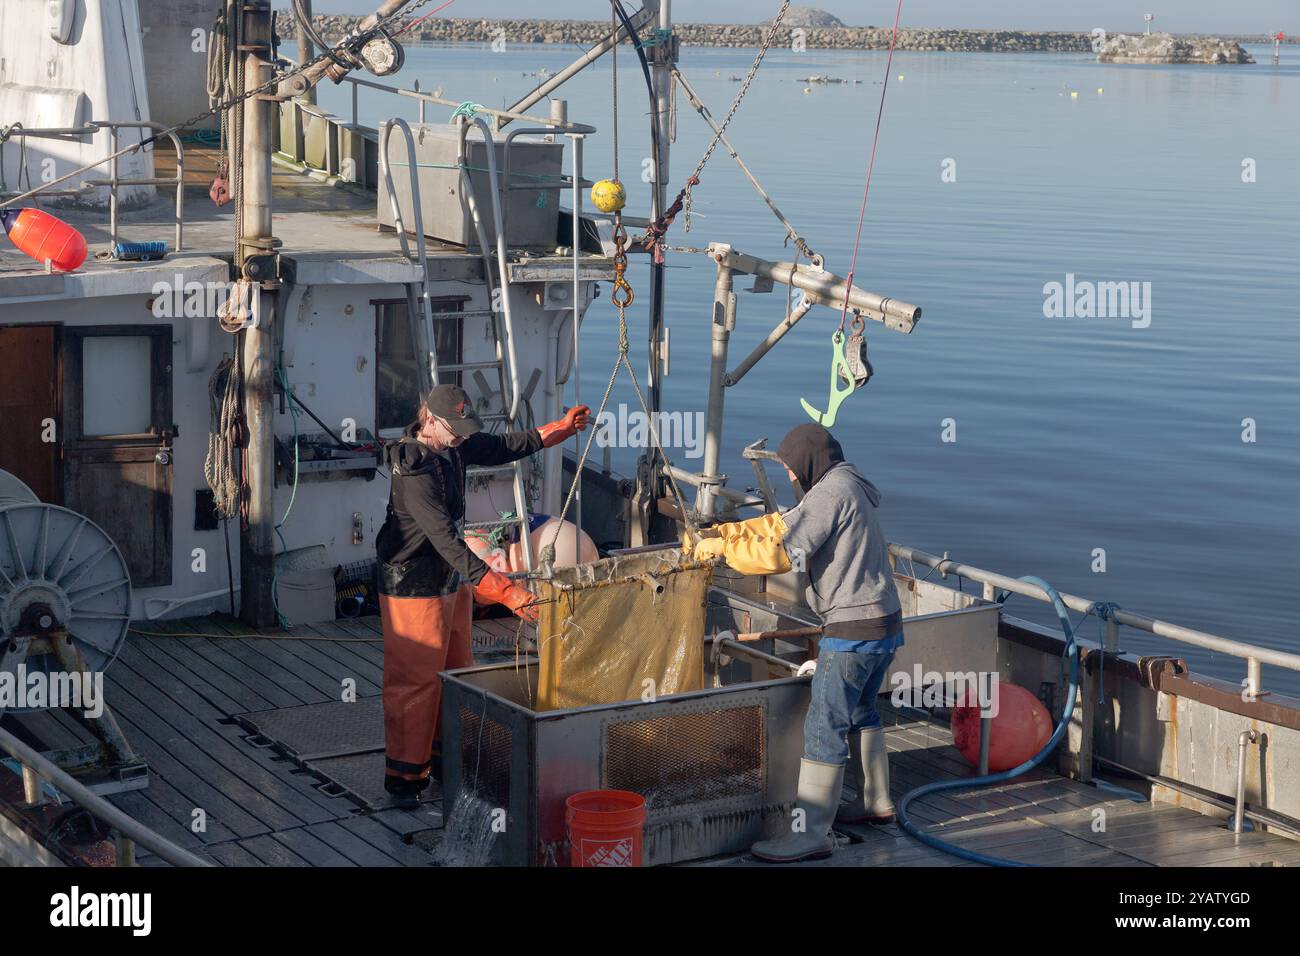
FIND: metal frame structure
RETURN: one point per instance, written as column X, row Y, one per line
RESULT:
column 114, row 180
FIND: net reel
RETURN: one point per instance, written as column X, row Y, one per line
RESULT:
column 65, row 591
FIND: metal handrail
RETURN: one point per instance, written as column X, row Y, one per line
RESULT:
column 126, row 827
column 113, row 181
column 429, row 370
column 1253, row 654
column 443, row 101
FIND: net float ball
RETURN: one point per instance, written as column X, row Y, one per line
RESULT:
column 608, row 195
column 1019, row 729
column 43, row 237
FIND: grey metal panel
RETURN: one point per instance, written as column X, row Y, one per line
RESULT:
column 558, row 753
column 331, row 729
column 445, row 212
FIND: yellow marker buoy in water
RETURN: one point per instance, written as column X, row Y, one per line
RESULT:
column 608, row 195
column 1074, row 94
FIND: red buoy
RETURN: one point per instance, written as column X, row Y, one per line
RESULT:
column 43, row 237
column 1019, row 730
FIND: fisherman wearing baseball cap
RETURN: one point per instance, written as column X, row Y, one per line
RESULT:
column 429, row 576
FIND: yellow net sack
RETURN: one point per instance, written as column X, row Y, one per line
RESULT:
column 622, row 627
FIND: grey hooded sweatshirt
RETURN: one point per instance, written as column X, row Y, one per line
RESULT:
column 834, row 532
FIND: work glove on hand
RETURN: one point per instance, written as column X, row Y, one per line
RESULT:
column 499, row 589
column 691, row 538
column 575, row 420
column 755, row 546
column 706, row 549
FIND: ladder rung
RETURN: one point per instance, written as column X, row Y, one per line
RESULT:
column 467, row 366
column 469, row 314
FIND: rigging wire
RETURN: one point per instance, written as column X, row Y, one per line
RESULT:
column 871, row 164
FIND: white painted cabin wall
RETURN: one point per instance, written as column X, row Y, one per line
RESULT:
column 329, row 355
column 97, row 75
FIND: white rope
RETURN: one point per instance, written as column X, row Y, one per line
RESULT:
column 219, row 468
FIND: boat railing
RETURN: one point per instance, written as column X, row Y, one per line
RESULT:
column 1111, row 615
column 114, row 180
column 126, row 831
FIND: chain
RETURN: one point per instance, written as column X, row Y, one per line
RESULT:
column 735, row 105
column 622, row 296
column 547, row 556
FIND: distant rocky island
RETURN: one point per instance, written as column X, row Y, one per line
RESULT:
column 820, row 30
column 1166, row 48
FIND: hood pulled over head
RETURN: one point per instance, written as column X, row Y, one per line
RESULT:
column 809, row 451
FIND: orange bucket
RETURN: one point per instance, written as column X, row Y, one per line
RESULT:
column 605, row 827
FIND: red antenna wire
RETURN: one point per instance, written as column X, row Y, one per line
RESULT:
column 857, row 241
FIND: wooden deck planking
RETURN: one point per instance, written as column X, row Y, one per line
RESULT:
column 184, row 758
column 356, row 849
column 204, row 721
column 312, row 667
column 175, row 696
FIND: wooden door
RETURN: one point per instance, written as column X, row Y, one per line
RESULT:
column 118, row 445
column 29, row 408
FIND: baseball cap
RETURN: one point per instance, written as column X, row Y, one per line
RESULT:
column 452, row 404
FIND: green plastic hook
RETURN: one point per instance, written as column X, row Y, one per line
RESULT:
column 840, row 375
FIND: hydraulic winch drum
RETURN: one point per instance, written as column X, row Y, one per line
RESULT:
column 59, row 572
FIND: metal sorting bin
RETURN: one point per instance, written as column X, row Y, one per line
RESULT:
column 718, row 766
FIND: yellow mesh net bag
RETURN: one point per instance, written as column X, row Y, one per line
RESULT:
column 621, row 628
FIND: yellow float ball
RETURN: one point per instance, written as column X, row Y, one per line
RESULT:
column 608, row 195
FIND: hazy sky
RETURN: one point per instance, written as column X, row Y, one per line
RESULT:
column 1178, row 16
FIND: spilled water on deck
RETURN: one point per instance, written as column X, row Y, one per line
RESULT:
column 468, row 839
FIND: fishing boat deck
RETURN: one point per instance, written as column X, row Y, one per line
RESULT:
column 181, row 691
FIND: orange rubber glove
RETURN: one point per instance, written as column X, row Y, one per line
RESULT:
column 575, row 420
column 499, row 589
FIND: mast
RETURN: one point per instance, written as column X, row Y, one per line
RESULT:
column 665, row 56
column 255, row 259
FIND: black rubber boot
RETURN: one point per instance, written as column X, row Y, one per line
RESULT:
column 405, row 793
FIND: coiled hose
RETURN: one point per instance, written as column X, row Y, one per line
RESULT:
column 966, row 783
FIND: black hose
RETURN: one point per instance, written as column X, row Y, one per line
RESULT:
column 650, row 91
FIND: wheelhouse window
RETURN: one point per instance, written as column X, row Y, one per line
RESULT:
column 397, row 379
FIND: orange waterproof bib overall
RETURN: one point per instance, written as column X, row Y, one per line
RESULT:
column 422, row 637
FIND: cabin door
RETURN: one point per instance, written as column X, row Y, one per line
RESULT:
column 29, row 408
column 117, row 450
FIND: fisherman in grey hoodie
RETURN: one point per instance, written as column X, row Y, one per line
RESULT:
column 834, row 533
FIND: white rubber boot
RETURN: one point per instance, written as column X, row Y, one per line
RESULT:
column 869, row 770
column 818, row 796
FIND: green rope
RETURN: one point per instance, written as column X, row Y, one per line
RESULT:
column 558, row 182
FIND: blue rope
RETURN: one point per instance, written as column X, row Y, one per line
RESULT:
column 1072, row 653
column 1105, row 611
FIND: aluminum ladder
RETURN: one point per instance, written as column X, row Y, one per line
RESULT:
column 422, row 319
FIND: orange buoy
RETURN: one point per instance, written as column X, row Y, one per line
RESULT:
column 606, row 828
column 43, row 237
column 1019, row 730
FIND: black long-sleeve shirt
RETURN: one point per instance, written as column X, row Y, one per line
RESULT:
column 421, row 552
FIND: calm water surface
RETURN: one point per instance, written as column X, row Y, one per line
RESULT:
column 1072, row 434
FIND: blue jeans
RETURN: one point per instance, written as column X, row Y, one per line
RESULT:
column 844, row 689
